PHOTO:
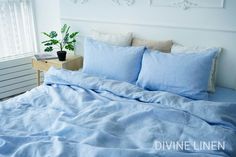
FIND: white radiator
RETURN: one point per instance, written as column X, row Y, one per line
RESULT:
column 16, row 76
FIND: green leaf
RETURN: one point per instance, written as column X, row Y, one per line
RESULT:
column 46, row 41
column 48, row 35
column 48, row 49
column 67, row 30
column 73, row 35
column 48, row 44
column 66, row 38
column 70, row 47
column 54, row 42
column 63, row 29
column 53, row 34
column 72, row 42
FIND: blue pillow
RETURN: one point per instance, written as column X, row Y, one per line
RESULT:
column 113, row 62
column 185, row 74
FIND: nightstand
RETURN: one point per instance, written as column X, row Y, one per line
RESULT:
column 72, row 63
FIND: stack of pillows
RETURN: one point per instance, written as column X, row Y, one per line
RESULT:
column 189, row 72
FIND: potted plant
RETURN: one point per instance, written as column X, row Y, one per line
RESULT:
column 67, row 42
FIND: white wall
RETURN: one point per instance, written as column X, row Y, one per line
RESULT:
column 47, row 18
column 141, row 12
column 195, row 26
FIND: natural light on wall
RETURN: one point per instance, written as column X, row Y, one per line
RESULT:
column 17, row 32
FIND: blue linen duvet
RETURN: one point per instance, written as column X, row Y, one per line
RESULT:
column 77, row 115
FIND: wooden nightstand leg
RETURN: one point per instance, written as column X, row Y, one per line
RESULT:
column 38, row 77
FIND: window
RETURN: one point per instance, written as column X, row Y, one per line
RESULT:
column 17, row 33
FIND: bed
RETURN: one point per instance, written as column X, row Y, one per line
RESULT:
column 128, row 101
column 76, row 114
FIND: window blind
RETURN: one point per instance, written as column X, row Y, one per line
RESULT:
column 17, row 31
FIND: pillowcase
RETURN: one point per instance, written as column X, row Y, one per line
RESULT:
column 163, row 46
column 176, row 48
column 185, row 74
column 113, row 62
column 114, row 39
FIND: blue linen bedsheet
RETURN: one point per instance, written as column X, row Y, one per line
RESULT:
column 74, row 114
column 223, row 95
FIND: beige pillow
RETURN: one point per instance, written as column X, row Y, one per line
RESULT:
column 163, row 46
column 118, row 39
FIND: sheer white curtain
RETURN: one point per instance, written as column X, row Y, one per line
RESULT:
column 17, row 33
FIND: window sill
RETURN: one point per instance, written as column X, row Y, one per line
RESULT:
column 16, row 57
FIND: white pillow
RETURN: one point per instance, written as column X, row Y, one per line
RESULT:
column 177, row 48
column 118, row 39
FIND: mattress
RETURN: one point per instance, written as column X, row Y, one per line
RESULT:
column 223, row 95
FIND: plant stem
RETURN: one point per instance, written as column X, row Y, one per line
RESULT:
column 61, row 46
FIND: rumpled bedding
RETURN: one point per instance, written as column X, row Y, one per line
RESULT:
column 77, row 115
